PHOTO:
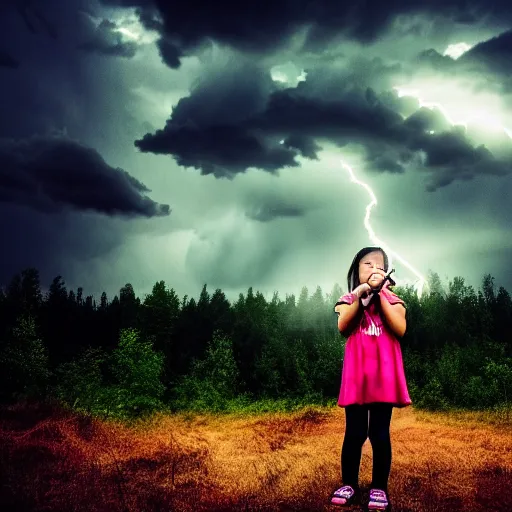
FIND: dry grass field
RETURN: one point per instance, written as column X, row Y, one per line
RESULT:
column 53, row 460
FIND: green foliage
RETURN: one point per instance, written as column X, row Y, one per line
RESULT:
column 137, row 368
column 136, row 390
column 213, row 381
column 24, row 368
column 79, row 383
column 301, row 368
column 326, row 365
column 414, row 365
column 431, row 396
column 499, row 378
column 475, row 393
column 475, row 377
column 270, row 370
column 245, row 405
column 256, row 354
column 159, row 316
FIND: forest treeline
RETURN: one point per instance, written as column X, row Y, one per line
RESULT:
column 128, row 356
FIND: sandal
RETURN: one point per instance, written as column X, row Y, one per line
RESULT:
column 378, row 500
column 343, row 496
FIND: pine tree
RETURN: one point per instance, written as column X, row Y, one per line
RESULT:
column 159, row 316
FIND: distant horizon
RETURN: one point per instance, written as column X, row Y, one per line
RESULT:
column 232, row 296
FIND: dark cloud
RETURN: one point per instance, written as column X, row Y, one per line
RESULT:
column 450, row 148
column 494, row 54
column 307, row 146
column 58, row 88
column 107, row 40
column 426, row 120
column 35, row 19
column 236, row 117
column 169, row 52
column 382, row 157
column 224, row 148
column 253, row 27
column 405, row 105
column 31, row 27
column 336, row 81
column 350, row 115
column 487, row 63
column 269, row 212
column 233, row 92
column 433, row 59
column 28, row 18
column 451, row 156
column 196, row 138
column 219, row 150
column 445, row 151
column 7, row 61
column 223, row 131
column 55, row 174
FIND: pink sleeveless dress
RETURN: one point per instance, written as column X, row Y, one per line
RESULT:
column 373, row 368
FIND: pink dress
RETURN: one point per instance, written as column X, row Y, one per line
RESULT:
column 373, row 368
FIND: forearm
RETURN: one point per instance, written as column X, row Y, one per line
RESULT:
column 346, row 315
column 394, row 316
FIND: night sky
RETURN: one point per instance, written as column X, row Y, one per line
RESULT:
column 201, row 142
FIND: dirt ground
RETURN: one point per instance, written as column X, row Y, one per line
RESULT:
column 52, row 460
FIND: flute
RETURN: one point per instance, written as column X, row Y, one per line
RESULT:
column 387, row 277
column 373, row 291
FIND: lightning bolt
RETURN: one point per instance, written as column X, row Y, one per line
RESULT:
column 482, row 115
column 373, row 237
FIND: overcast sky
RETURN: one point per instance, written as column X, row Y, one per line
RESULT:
column 194, row 142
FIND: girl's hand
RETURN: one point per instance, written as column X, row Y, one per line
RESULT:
column 375, row 280
column 386, row 285
column 362, row 289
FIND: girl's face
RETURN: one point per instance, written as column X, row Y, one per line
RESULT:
column 369, row 264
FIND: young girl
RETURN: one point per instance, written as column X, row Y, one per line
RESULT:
column 373, row 379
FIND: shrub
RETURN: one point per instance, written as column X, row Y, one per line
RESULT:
column 24, row 369
column 431, row 396
column 79, row 382
column 138, row 369
column 213, row 381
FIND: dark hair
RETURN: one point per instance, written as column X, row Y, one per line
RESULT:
column 353, row 271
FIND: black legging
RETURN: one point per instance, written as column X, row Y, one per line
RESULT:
column 357, row 431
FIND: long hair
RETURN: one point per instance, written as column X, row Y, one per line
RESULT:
column 353, row 271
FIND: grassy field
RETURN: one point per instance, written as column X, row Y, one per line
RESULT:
column 53, row 460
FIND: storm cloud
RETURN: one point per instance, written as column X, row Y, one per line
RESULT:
column 299, row 119
column 259, row 29
column 53, row 174
column 492, row 56
column 271, row 211
column 108, row 40
column 8, row 61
